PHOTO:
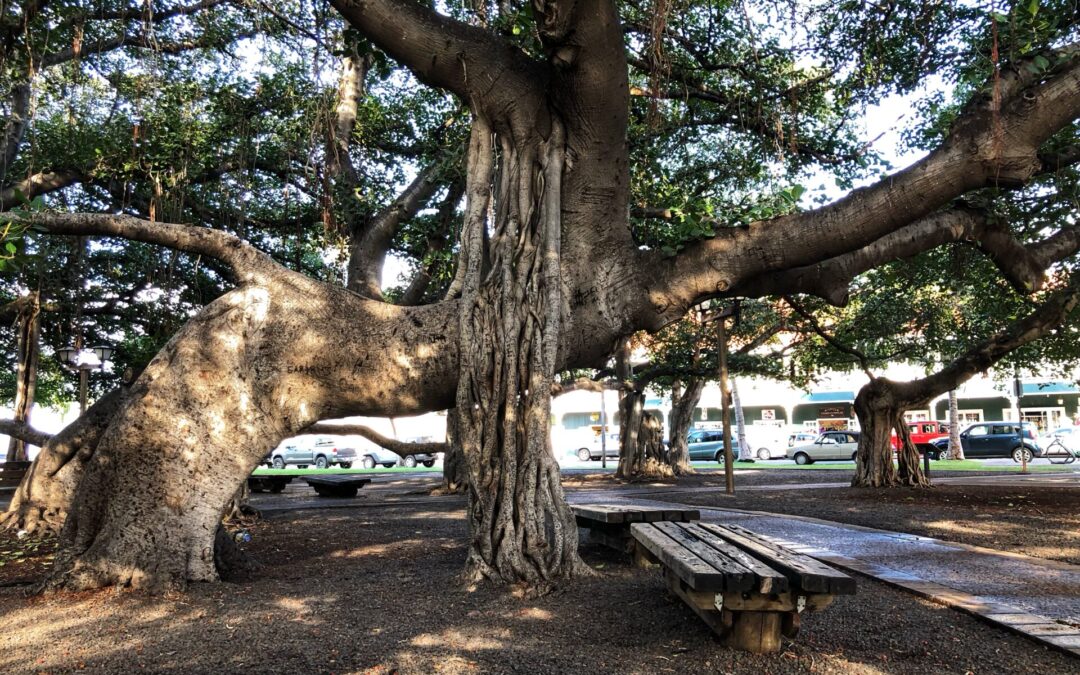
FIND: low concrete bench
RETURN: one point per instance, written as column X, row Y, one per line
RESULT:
column 609, row 524
column 336, row 485
column 749, row 590
column 11, row 474
column 273, row 484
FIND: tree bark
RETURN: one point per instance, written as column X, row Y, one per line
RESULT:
column 29, row 347
column 521, row 530
column 43, row 499
column 455, row 468
column 683, row 403
column 249, row 370
column 956, row 449
column 877, row 412
column 746, row 453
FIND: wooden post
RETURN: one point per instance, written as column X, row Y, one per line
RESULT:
column 725, row 404
column 603, row 429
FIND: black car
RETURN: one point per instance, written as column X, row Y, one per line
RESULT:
column 995, row 439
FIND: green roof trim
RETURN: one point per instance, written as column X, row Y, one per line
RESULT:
column 830, row 397
column 1036, row 388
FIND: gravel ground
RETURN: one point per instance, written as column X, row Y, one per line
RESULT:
column 377, row 590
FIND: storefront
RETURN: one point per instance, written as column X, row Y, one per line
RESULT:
column 826, row 411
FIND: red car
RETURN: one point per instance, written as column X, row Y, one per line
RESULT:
column 923, row 435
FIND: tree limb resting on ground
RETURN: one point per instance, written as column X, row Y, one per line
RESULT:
column 400, row 447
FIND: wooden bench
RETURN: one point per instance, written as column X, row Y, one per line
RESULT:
column 749, row 590
column 336, row 485
column 609, row 524
column 11, row 474
column 273, row 484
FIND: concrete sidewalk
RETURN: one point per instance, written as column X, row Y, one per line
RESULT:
column 1031, row 596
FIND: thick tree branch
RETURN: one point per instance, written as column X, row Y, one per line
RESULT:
column 246, row 262
column 39, row 184
column 475, row 64
column 978, row 153
column 1035, row 325
column 24, row 432
column 400, row 447
column 106, row 45
column 369, row 246
column 436, row 243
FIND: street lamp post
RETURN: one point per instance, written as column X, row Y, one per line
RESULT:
column 73, row 358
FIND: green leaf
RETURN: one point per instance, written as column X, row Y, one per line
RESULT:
column 10, row 247
column 1033, row 7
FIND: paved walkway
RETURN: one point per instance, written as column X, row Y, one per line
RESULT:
column 1035, row 597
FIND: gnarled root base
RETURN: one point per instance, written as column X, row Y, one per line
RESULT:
column 151, row 570
column 653, row 469
column 31, row 517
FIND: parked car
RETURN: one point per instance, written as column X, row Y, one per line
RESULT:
column 707, row 445
column 324, row 452
column 801, row 438
column 375, row 455
column 592, row 450
column 923, row 434
column 424, row 458
column 996, row 439
column 1069, row 437
column 831, row 445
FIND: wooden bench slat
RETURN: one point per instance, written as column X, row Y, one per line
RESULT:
column 736, row 576
column 689, row 567
column 810, row 575
column 601, row 513
column 839, row 582
column 770, row 580
column 616, row 514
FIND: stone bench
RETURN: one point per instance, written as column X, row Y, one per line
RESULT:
column 336, row 485
column 749, row 590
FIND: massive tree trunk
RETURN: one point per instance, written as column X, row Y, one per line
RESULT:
column 683, row 403
column 42, row 500
column 253, row 368
column 521, row 529
column 881, row 410
column 29, row 347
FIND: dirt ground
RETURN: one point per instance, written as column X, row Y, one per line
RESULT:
column 376, row 589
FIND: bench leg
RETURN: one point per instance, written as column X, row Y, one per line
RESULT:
column 757, row 632
column 789, row 625
column 642, row 557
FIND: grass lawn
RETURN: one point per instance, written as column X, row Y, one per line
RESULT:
column 939, row 465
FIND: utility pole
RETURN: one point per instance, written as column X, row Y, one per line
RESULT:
column 721, row 316
column 725, row 403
